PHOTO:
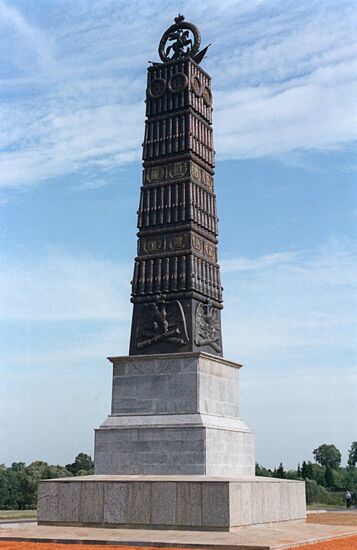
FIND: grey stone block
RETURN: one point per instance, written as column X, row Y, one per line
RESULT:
column 91, row 502
column 215, row 504
column 163, row 503
column 240, row 503
column 69, row 497
column 47, row 505
column 139, row 503
column 115, row 503
column 188, row 504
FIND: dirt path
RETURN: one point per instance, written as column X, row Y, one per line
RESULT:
column 331, row 518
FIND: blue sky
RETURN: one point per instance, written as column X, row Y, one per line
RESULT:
column 72, row 88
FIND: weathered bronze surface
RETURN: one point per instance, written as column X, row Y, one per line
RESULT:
column 176, row 286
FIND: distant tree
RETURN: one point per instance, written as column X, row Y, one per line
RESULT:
column 307, row 470
column 328, row 455
column 261, row 471
column 328, row 476
column 291, row 474
column 317, row 473
column 352, row 455
column 310, row 470
column 82, row 465
column 279, row 472
column 298, row 471
column 18, row 466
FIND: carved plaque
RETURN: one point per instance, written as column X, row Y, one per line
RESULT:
column 200, row 175
column 207, row 327
column 196, row 243
column 210, row 250
column 156, row 173
column 162, row 321
column 207, row 179
column 178, row 83
column 178, row 169
column 151, row 246
column 196, row 86
column 178, row 242
column 207, row 96
column 157, row 87
column 196, row 172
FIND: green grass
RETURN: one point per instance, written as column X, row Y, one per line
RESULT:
column 17, row 514
column 317, row 506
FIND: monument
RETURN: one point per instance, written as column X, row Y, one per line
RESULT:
column 174, row 452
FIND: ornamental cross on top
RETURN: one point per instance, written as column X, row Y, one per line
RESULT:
column 176, row 286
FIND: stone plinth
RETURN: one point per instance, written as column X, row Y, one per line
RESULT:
column 173, row 454
column 175, row 414
column 169, row 502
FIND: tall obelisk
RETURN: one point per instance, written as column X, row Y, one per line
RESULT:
column 176, row 286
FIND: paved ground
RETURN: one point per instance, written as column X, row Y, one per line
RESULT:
column 334, row 518
column 261, row 537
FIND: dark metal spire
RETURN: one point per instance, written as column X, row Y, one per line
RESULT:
column 176, row 288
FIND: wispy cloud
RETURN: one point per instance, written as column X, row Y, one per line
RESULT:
column 292, row 306
column 284, row 80
column 63, row 288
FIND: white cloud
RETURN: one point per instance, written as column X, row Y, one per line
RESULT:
column 63, row 288
column 284, row 80
column 292, row 306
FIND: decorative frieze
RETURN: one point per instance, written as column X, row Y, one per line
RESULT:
column 178, row 170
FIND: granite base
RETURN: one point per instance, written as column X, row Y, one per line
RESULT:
column 175, row 414
column 169, row 502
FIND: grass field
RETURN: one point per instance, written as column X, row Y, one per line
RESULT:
column 17, row 514
column 324, row 507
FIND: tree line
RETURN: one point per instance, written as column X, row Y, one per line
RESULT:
column 326, row 480
column 18, row 483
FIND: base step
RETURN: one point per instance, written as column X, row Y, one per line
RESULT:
column 169, row 502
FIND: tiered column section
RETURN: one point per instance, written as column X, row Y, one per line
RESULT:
column 176, row 287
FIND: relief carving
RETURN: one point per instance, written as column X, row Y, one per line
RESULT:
column 151, row 246
column 178, row 83
column 207, row 96
column 162, row 321
column 200, row 175
column 207, row 327
column 178, row 242
column 157, row 88
column 196, row 86
column 196, row 172
column 156, row 173
column 207, row 179
column 196, row 243
column 178, row 169
column 210, row 250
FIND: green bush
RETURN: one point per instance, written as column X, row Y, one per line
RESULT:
column 317, row 494
column 18, row 484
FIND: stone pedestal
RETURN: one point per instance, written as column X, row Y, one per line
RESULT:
column 173, row 454
column 175, row 414
column 169, row 502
